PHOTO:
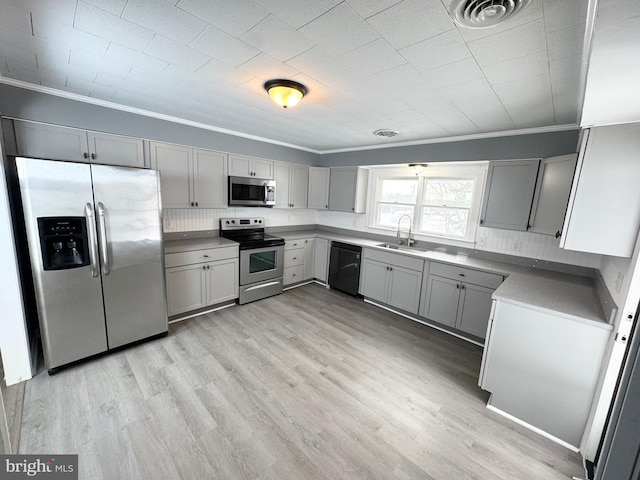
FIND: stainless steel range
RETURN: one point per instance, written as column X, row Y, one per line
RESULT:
column 261, row 257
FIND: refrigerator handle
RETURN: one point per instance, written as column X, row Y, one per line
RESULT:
column 93, row 240
column 104, row 253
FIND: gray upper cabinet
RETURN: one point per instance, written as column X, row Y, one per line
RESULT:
column 242, row 166
column 348, row 189
column 319, row 188
column 509, row 194
column 603, row 215
column 41, row 140
column 552, row 194
column 292, row 182
column 190, row 178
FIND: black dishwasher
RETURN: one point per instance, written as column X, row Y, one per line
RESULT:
column 344, row 267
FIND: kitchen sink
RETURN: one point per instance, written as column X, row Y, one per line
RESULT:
column 402, row 248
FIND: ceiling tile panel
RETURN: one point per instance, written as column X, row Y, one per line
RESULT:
column 277, row 39
column 93, row 89
column 54, row 64
column 176, row 53
column 559, row 15
column 398, row 78
column 368, row 8
column 224, row 47
column 268, row 67
column 534, row 115
column 525, row 92
column 373, row 57
column 221, row 74
column 454, row 73
column 411, row 21
column 60, row 11
column 565, row 43
column 567, row 68
column 14, row 19
column 108, row 80
column 85, row 60
column 532, row 65
column 298, row 13
column 112, row 6
column 564, row 107
column 111, row 27
column 157, row 14
column 134, row 59
column 47, row 29
column 514, row 43
column 16, row 55
column 443, row 49
column 236, row 17
column 340, row 30
column 29, row 73
column 318, row 64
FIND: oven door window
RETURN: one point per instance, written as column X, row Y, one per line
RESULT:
column 262, row 261
column 247, row 192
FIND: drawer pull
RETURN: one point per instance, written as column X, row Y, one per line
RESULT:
column 206, row 256
column 462, row 274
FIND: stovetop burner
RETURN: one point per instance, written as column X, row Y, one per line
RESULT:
column 248, row 232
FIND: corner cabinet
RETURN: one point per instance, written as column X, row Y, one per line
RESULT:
column 40, row 140
column 243, row 166
column 603, row 215
column 190, row 178
column 348, row 189
column 318, row 188
column 552, row 194
column 201, row 278
column 459, row 297
column 392, row 279
column 509, row 193
column 292, row 182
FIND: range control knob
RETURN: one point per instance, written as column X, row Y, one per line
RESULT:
column 227, row 222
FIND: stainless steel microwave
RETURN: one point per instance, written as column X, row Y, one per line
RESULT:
column 251, row 192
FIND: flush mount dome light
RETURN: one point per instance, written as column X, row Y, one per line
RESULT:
column 385, row 133
column 485, row 13
column 417, row 168
column 285, row 93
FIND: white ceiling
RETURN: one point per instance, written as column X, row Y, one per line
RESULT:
column 368, row 64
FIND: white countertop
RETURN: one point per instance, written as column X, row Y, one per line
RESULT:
column 569, row 296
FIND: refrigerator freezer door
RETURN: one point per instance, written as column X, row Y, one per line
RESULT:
column 69, row 301
column 130, row 239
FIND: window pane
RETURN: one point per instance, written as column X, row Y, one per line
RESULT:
column 444, row 220
column 389, row 214
column 449, row 192
column 398, row 191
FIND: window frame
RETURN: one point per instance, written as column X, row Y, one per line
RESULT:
column 378, row 202
column 476, row 171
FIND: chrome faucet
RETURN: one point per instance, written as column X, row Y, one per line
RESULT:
column 410, row 241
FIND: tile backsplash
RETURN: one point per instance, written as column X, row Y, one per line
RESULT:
column 523, row 244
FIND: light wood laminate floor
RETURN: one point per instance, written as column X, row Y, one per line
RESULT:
column 311, row 384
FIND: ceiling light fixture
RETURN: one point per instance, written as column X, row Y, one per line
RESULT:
column 285, row 93
column 417, row 168
column 386, row 133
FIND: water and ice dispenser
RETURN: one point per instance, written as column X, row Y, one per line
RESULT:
column 64, row 242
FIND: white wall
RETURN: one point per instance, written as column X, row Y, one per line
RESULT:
column 14, row 341
column 609, row 269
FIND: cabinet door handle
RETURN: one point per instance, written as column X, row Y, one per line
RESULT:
column 295, row 258
column 85, row 155
column 457, row 285
column 192, row 204
column 196, row 204
column 93, row 156
column 462, row 287
column 204, row 267
column 326, row 206
column 206, row 256
column 208, row 267
column 558, row 233
column 462, row 274
column 481, row 221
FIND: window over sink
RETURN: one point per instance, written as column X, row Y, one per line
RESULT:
column 444, row 201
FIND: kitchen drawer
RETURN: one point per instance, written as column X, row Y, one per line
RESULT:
column 293, row 274
column 200, row 256
column 293, row 258
column 291, row 244
column 467, row 275
column 399, row 260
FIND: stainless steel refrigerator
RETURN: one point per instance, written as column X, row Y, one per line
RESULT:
column 95, row 245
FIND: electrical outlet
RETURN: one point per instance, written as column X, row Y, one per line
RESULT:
column 516, row 245
column 482, row 241
column 168, row 224
column 619, row 280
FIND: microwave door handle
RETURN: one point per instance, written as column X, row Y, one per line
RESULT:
column 92, row 238
column 103, row 239
column 266, row 193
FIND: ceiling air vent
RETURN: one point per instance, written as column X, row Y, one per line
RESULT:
column 485, row 13
column 385, row 133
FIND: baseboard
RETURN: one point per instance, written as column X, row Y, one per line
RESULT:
column 201, row 312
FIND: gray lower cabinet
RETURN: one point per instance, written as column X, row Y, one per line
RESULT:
column 459, row 297
column 321, row 259
column 391, row 279
column 40, row 140
column 299, row 260
column 200, row 278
